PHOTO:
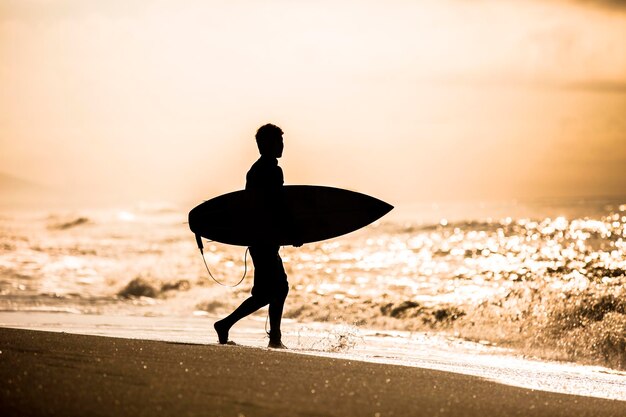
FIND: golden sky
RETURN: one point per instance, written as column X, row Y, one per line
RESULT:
column 405, row 100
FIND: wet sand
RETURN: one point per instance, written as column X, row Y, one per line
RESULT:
column 46, row 373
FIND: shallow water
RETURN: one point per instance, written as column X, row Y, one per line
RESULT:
column 554, row 286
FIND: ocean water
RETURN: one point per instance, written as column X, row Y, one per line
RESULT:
column 546, row 278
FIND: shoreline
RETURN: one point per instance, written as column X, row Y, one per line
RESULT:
column 48, row 373
column 416, row 350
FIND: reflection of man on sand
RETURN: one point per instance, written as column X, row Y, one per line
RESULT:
column 265, row 179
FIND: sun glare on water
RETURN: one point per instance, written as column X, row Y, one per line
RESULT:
column 126, row 216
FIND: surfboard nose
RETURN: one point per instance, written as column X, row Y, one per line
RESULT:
column 385, row 207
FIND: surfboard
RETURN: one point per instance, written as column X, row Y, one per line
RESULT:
column 304, row 214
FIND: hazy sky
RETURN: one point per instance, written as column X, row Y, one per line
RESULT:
column 406, row 100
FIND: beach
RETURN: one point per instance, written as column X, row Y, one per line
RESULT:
column 500, row 316
column 53, row 373
column 440, row 183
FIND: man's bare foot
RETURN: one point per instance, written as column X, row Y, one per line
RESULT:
column 221, row 329
column 276, row 344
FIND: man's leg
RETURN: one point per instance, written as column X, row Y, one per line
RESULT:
column 249, row 306
column 276, row 314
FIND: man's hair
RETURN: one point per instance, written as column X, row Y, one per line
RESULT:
column 266, row 135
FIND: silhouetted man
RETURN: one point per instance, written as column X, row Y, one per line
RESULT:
column 265, row 181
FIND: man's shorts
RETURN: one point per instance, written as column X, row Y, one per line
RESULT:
column 270, row 279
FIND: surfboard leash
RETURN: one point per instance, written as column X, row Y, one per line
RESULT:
column 245, row 264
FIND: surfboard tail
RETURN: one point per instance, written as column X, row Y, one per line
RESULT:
column 199, row 242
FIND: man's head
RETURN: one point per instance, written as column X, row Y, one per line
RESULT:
column 269, row 139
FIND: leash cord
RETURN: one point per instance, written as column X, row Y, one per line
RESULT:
column 245, row 268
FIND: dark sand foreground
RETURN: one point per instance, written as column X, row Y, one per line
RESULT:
column 44, row 373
